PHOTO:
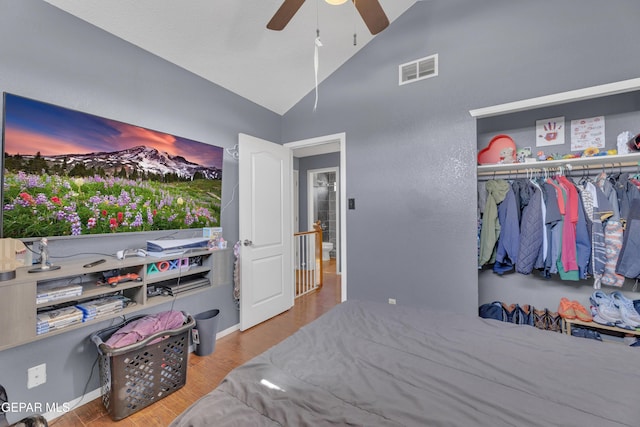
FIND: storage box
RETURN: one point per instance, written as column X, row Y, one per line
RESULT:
column 135, row 376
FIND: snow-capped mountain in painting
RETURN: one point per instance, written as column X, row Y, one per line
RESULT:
column 144, row 160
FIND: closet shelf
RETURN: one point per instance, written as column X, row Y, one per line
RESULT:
column 558, row 98
column 580, row 164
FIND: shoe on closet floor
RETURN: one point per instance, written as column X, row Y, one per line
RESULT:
column 566, row 310
column 628, row 312
column 540, row 319
column 492, row 310
column 525, row 314
column 510, row 312
column 585, row 333
column 605, row 309
column 581, row 312
column 554, row 321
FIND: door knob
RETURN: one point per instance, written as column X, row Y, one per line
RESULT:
column 247, row 242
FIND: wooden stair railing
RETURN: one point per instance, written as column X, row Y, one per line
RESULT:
column 308, row 260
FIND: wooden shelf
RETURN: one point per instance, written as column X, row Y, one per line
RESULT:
column 91, row 290
column 569, row 323
column 18, row 306
column 123, row 312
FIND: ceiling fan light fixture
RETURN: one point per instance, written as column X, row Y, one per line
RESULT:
column 336, row 2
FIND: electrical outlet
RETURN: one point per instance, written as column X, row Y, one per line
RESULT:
column 36, row 375
column 392, row 301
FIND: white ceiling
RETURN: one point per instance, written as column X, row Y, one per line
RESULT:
column 227, row 42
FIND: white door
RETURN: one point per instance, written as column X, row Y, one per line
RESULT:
column 266, row 230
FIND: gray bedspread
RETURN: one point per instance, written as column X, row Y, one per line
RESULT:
column 370, row 364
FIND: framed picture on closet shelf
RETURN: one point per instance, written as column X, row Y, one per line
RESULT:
column 550, row 132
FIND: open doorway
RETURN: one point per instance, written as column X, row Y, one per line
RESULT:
column 323, row 207
column 319, row 146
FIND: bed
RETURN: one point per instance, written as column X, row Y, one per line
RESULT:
column 374, row 364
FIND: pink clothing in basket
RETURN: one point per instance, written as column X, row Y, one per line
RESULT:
column 142, row 328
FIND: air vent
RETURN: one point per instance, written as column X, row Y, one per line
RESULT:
column 418, row 70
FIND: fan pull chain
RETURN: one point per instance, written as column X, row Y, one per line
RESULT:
column 316, row 62
column 316, row 58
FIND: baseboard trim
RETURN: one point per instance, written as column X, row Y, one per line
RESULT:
column 73, row 404
column 228, row 331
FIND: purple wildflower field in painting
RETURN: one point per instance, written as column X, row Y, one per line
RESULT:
column 70, row 173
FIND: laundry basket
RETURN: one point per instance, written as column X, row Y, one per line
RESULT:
column 135, row 376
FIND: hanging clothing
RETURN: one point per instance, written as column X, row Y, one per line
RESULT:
column 568, row 255
column 522, row 194
column 531, row 232
column 602, row 212
column 496, row 192
column 583, row 242
column 613, row 244
column 610, row 193
column 627, row 191
column 509, row 238
column 553, row 228
column 586, row 197
column 629, row 260
column 565, row 270
column 574, row 230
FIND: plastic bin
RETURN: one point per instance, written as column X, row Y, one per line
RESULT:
column 135, row 376
column 204, row 334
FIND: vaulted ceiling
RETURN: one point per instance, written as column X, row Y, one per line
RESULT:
column 227, row 42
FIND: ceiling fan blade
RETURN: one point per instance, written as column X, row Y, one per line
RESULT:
column 372, row 15
column 284, row 14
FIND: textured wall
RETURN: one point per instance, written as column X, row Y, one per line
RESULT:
column 51, row 56
column 411, row 150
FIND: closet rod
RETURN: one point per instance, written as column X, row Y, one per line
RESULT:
column 567, row 169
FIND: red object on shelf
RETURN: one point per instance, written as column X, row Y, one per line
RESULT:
column 120, row 279
column 492, row 153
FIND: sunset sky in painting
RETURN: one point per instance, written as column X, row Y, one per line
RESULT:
column 31, row 126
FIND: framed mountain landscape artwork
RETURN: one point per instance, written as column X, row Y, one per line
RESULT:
column 69, row 173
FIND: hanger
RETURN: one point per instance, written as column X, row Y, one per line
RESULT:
column 585, row 176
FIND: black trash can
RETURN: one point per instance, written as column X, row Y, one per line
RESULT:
column 204, row 334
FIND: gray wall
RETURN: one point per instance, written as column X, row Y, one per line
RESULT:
column 411, row 150
column 51, row 56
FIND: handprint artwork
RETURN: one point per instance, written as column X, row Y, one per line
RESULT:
column 550, row 131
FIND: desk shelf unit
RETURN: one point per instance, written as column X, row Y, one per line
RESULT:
column 18, row 296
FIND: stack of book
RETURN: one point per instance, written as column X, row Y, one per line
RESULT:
column 56, row 319
column 48, row 293
column 98, row 308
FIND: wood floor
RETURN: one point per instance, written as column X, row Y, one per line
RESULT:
column 205, row 373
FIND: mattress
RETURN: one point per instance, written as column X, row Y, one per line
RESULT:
column 372, row 364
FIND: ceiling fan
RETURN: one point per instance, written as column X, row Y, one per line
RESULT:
column 370, row 11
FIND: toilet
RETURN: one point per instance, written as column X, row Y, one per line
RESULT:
column 327, row 247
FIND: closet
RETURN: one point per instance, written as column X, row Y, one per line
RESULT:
column 619, row 104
